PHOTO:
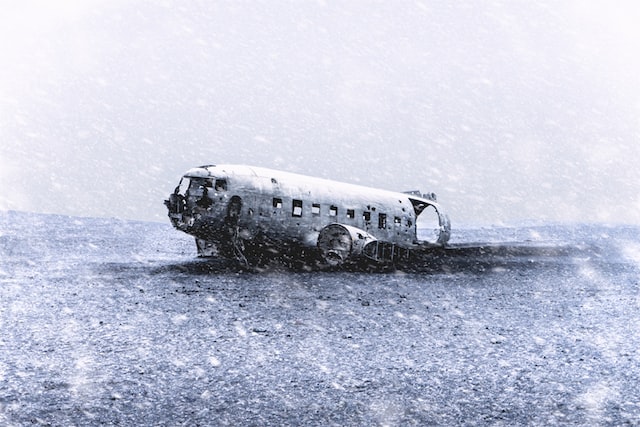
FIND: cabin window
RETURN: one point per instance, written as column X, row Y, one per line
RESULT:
column 382, row 220
column 333, row 210
column 277, row 203
column 315, row 209
column 221, row 185
column 397, row 220
column 366, row 215
column 351, row 213
column 297, row 208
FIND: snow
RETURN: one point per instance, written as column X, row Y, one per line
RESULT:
column 506, row 110
column 140, row 332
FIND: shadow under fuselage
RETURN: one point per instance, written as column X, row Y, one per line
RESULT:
column 460, row 258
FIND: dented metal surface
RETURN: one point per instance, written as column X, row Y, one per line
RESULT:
column 255, row 214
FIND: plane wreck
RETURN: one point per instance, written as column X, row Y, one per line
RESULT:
column 254, row 215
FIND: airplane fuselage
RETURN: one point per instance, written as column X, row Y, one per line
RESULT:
column 232, row 209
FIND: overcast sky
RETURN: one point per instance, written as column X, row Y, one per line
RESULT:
column 508, row 110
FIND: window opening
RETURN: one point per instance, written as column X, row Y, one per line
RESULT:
column 198, row 184
column 296, row 208
column 351, row 213
column 315, row 209
column 397, row 220
column 183, row 186
column 277, row 203
column 333, row 210
column 366, row 215
column 382, row 220
column 221, row 185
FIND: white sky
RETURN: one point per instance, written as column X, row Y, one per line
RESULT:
column 508, row 110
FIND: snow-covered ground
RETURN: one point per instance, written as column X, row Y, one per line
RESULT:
column 114, row 322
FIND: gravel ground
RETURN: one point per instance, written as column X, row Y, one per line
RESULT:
column 112, row 322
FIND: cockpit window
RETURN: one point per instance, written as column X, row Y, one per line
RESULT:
column 199, row 186
column 200, row 182
column 183, row 186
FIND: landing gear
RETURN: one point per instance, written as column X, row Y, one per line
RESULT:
column 206, row 249
column 231, row 222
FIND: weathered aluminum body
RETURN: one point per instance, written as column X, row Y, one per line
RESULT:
column 250, row 213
